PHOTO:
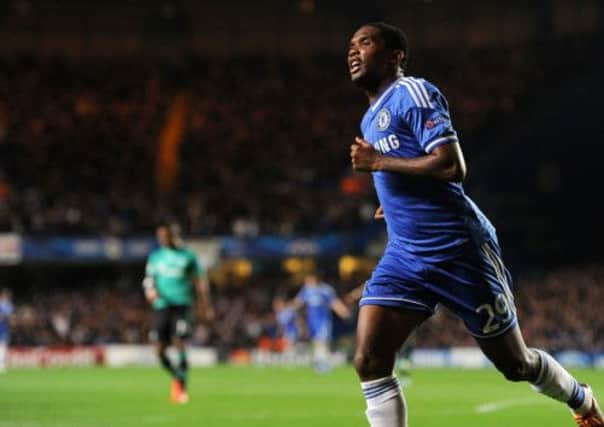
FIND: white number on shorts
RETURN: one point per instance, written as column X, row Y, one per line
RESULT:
column 181, row 327
column 501, row 306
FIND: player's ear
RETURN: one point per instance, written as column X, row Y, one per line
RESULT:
column 398, row 55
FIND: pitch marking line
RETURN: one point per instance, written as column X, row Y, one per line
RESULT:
column 500, row 405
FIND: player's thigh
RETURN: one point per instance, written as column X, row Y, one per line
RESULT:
column 161, row 326
column 381, row 331
column 181, row 322
column 477, row 288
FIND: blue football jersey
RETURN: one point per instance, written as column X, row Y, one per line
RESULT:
column 425, row 217
column 317, row 300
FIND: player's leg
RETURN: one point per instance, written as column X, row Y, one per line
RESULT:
column 477, row 287
column 183, row 360
column 179, row 383
column 3, row 353
column 321, row 355
column 160, row 336
column 517, row 362
column 380, row 333
column 321, row 339
column 161, row 349
column 181, row 331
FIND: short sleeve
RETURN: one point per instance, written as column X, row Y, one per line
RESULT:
column 149, row 270
column 301, row 295
column 426, row 112
column 196, row 267
column 6, row 310
column 330, row 294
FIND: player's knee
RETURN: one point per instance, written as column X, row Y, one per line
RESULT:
column 160, row 349
column 521, row 369
column 370, row 365
column 362, row 364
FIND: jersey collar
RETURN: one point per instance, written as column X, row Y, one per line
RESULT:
column 383, row 96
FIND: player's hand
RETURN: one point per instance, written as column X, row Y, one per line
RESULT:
column 363, row 155
column 379, row 213
column 151, row 295
column 350, row 298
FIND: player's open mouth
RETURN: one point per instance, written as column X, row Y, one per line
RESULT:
column 355, row 66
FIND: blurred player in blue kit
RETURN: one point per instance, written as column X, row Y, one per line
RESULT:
column 320, row 300
column 441, row 248
column 6, row 310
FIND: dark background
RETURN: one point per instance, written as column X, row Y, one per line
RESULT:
column 88, row 88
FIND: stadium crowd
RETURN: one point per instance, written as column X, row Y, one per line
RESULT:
column 106, row 313
column 79, row 140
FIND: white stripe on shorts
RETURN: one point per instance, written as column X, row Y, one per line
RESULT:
column 398, row 299
column 499, row 268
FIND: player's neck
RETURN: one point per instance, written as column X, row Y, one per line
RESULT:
column 374, row 93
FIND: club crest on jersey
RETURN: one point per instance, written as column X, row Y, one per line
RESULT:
column 383, row 119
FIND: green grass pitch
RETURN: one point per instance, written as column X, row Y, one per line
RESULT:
column 266, row 397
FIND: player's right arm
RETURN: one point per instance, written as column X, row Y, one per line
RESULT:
column 425, row 111
column 338, row 306
column 354, row 295
column 206, row 309
column 149, row 288
column 444, row 163
column 298, row 302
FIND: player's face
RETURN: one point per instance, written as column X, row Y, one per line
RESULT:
column 311, row 279
column 278, row 304
column 164, row 237
column 367, row 57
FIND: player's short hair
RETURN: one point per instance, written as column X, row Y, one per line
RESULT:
column 394, row 38
column 172, row 227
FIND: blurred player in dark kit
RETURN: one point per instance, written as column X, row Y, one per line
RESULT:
column 173, row 276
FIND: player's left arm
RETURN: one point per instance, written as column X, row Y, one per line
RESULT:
column 444, row 163
column 202, row 288
column 295, row 304
column 354, row 295
column 337, row 305
column 206, row 308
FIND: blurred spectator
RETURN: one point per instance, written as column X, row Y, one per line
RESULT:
column 547, row 309
column 265, row 148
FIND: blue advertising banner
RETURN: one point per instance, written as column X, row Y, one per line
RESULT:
column 267, row 246
column 94, row 249
column 59, row 249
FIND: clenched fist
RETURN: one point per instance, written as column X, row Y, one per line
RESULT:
column 363, row 155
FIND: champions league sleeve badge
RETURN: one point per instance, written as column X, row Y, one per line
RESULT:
column 383, row 119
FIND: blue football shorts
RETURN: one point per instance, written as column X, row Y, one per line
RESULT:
column 320, row 329
column 475, row 285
